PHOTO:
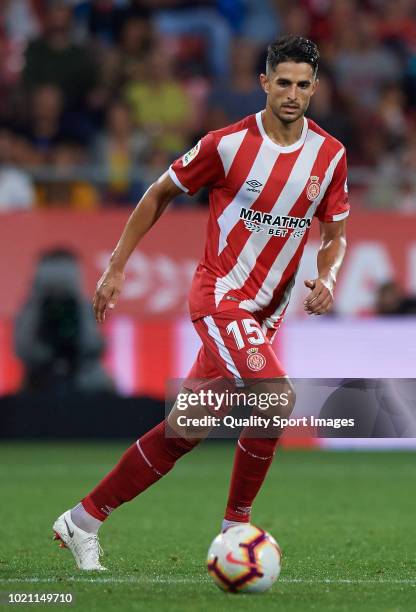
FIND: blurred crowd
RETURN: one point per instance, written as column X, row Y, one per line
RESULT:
column 98, row 97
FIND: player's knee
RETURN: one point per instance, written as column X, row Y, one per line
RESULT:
column 276, row 397
column 187, row 420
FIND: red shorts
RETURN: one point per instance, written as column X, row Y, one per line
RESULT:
column 234, row 347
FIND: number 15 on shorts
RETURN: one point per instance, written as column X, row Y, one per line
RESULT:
column 251, row 330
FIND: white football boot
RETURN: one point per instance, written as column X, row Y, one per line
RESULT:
column 84, row 546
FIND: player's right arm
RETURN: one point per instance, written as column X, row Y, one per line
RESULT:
column 146, row 213
column 199, row 167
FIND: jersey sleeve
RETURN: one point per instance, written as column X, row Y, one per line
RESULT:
column 334, row 205
column 199, row 167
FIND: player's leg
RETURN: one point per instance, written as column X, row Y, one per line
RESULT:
column 239, row 347
column 254, row 453
column 144, row 463
column 152, row 456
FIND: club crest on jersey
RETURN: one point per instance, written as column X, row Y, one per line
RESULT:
column 192, row 153
column 314, row 188
column 255, row 360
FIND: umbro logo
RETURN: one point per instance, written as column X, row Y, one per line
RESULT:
column 254, row 185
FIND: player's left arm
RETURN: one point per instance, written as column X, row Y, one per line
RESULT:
column 332, row 212
column 330, row 256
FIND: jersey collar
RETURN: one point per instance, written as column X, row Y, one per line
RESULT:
column 282, row 149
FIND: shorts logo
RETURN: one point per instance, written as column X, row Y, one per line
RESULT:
column 192, row 153
column 314, row 188
column 255, row 360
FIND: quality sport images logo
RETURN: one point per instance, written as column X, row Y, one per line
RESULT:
column 275, row 225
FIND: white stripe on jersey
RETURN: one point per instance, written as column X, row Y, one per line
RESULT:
column 228, row 147
column 214, row 332
column 175, row 179
column 290, row 193
column 276, row 271
column 260, row 171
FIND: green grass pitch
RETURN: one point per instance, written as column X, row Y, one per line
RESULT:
column 345, row 522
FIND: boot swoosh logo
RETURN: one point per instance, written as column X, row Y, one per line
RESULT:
column 70, row 533
column 232, row 559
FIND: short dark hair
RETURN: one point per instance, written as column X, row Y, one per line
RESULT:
column 292, row 49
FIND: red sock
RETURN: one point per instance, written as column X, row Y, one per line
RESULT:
column 253, row 457
column 145, row 462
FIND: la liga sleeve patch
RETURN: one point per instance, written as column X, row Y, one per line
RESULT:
column 201, row 166
column 191, row 154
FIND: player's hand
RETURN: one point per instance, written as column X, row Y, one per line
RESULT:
column 106, row 294
column 321, row 298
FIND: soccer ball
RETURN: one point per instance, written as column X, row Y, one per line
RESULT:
column 244, row 559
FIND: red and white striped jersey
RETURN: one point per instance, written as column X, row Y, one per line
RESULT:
column 262, row 199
